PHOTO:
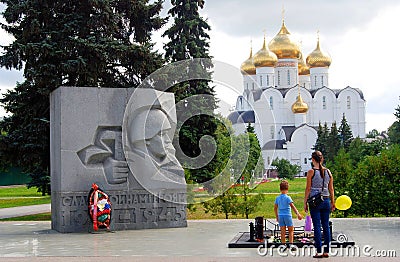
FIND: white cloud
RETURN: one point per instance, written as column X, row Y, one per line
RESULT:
column 240, row 18
column 380, row 122
column 366, row 58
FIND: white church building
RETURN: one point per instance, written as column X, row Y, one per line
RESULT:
column 285, row 98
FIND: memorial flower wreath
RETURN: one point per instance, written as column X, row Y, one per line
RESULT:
column 99, row 208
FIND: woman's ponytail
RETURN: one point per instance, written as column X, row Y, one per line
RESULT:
column 317, row 155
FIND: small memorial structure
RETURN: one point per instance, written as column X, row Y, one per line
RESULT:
column 267, row 234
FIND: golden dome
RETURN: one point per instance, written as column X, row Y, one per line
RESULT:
column 299, row 106
column 247, row 66
column 304, row 70
column 264, row 57
column 283, row 46
column 318, row 58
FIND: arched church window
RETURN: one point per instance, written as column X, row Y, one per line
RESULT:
column 279, row 78
column 288, row 77
column 271, row 102
column 272, row 132
column 305, row 160
column 267, row 80
column 324, row 102
column 315, row 80
column 348, row 102
column 322, row 80
column 261, row 81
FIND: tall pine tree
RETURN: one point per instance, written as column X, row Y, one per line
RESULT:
column 322, row 138
column 188, row 39
column 345, row 134
column 76, row 43
column 333, row 143
column 394, row 129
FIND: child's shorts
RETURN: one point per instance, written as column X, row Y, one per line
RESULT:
column 285, row 221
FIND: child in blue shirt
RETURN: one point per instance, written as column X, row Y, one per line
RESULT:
column 283, row 214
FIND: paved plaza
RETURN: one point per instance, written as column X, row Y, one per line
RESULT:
column 202, row 240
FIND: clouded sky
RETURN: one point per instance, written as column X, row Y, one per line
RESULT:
column 362, row 38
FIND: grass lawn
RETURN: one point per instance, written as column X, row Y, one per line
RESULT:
column 21, row 196
column 23, row 201
column 36, row 217
column 297, row 185
column 266, row 207
column 19, row 191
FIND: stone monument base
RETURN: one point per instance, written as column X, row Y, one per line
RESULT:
column 86, row 137
column 136, row 209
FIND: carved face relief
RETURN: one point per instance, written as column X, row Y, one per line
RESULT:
column 147, row 132
column 158, row 144
column 151, row 127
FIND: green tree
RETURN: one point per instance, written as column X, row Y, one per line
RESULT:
column 325, row 136
column 322, row 138
column 374, row 147
column 249, row 201
column 226, row 201
column 250, row 129
column 333, row 143
column 373, row 133
column 225, row 136
column 254, row 166
column 390, row 159
column 374, row 187
column 356, row 151
column 359, row 149
column 341, row 169
column 285, row 169
column 79, row 43
column 245, row 162
column 188, row 39
column 360, row 191
column 240, row 155
column 345, row 133
column 255, row 163
column 394, row 129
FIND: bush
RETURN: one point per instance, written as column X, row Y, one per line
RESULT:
column 285, row 169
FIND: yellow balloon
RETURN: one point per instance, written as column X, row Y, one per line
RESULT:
column 343, row 202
